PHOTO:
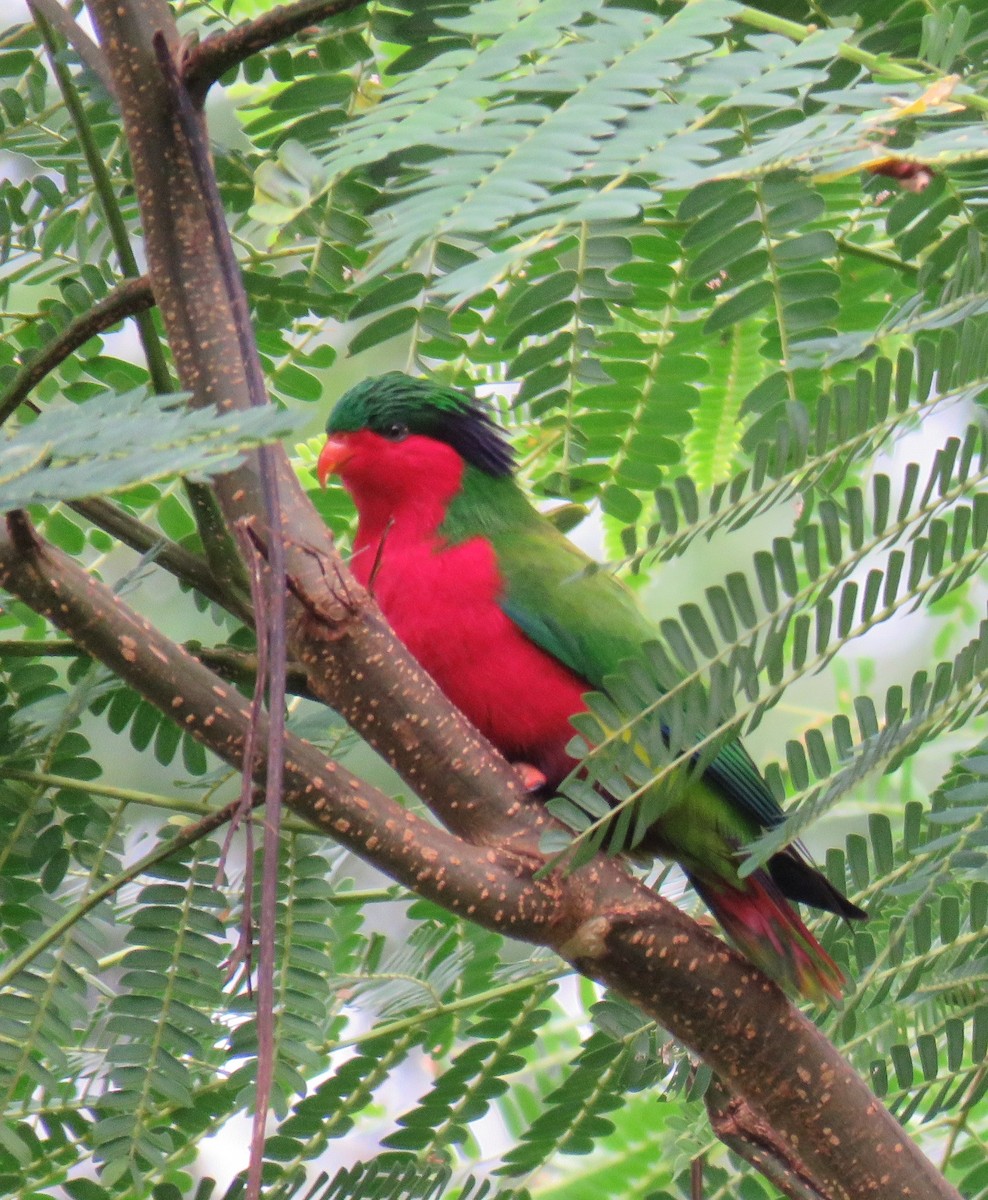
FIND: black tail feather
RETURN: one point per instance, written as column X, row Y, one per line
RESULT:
column 801, row 881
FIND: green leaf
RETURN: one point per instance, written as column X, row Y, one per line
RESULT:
column 115, row 441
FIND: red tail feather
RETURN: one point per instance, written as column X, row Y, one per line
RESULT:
column 768, row 930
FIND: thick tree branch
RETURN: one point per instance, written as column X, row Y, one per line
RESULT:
column 220, row 52
column 750, row 1136
column 221, row 552
column 607, row 924
column 354, row 661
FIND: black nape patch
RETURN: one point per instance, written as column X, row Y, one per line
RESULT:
column 474, row 436
column 420, row 406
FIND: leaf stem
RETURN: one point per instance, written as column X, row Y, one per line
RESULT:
column 173, row 804
column 474, row 1000
column 877, row 64
column 878, row 256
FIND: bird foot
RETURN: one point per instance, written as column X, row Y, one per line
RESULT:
column 531, row 777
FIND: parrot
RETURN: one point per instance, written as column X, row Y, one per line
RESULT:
column 499, row 608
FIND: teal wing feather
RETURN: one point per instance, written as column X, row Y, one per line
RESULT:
column 734, row 773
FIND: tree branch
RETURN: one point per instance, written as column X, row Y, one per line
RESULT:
column 221, row 552
column 354, row 661
column 126, row 300
column 268, row 584
column 607, row 924
column 182, row 563
column 169, row 804
column 412, row 851
column 89, row 53
column 222, row 558
column 750, row 1136
column 185, row 836
column 220, row 52
column 236, row 666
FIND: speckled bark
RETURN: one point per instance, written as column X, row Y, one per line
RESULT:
column 354, row 662
column 767, row 1052
column 610, row 927
column 751, row 1137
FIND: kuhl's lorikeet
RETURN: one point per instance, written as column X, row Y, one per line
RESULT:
column 496, row 605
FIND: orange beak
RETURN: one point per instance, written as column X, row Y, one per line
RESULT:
column 334, row 455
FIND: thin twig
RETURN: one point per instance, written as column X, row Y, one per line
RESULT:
column 696, row 1178
column 878, row 256
column 169, row 804
column 126, row 300
column 379, row 555
column 106, row 195
column 220, row 549
column 182, row 563
column 185, row 837
column 238, row 666
column 243, row 952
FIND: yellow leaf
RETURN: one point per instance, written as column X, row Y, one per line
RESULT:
column 937, row 95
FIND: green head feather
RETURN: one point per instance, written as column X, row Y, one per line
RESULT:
column 396, row 405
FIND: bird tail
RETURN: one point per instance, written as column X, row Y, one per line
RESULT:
column 768, row 930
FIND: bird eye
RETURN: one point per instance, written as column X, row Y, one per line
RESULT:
column 395, row 432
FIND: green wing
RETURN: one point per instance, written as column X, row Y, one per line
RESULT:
column 589, row 621
column 585, row 618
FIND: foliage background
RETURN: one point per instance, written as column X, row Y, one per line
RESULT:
column 652, row 230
